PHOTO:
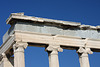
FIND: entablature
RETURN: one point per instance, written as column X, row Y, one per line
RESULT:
column 34, row 30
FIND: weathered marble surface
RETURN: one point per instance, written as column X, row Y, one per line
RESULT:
column 1, row 64
column 53, row 30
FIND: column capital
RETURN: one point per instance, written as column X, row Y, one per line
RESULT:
column 84, row 51
column 53, row 54
column 20, row 46
column 54, row 48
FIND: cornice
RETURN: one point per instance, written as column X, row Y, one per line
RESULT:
column 22, row 17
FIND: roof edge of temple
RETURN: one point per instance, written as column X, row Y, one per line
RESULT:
column 11, row 16
column 21, row 16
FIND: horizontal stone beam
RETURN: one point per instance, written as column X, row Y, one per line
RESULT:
column 65, row 41
column 53, row 30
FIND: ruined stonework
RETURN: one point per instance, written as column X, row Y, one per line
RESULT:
column 53, row 35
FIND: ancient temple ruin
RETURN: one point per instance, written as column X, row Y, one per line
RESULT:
column 53, row 35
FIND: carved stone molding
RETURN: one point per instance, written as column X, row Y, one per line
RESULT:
column 24, row 44
column 54, row 49
column 53, row 54
column 83, row 56
column 85, row 50
column 20, row 46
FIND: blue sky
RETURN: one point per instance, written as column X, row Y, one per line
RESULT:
column 84, row 11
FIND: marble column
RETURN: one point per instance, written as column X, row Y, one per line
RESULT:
column 53, row 55
column 83, row 56
column 19, row 60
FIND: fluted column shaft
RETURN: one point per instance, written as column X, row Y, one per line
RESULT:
column 83, row 56
column 53, row 55
column 19, row 59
